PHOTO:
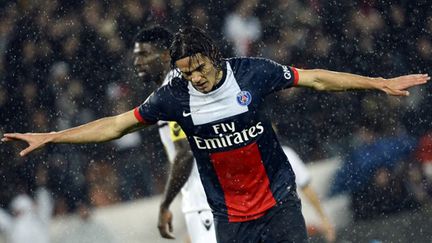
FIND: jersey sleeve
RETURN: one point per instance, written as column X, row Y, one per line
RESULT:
column 274, row 76
column 153, row 109
column 176, row 132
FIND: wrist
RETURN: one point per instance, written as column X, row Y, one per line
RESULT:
column 164, row 205
column 53, row 137
column 378, row 83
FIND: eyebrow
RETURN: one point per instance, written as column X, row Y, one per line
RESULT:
column 190, row 71
column 139, row 52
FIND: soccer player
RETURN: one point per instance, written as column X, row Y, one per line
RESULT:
column 152, row 62
column 247, row 178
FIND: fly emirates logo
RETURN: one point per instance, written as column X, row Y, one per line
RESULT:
column 228, row 136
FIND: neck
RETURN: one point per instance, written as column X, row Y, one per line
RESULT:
column 219, row 75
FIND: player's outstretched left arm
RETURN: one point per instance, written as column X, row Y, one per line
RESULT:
column 102, row 130
column 320, row 79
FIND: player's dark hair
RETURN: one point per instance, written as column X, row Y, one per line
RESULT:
column 155, row 35
column 190, row 41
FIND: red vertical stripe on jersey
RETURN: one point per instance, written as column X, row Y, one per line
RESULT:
column 244, row 182
column 296, row 76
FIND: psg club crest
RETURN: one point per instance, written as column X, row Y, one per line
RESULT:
column 244, row 98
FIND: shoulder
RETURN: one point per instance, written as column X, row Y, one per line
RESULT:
column 174, row 73
column 177, row 87
column 251, row 63
column 172, row 95
column 172, row 86
column 162, row 98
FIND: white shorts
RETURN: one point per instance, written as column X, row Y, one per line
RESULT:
column 200, row 226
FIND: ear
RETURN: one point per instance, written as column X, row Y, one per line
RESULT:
column 165, row 56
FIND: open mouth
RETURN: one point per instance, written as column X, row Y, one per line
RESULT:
column 142, row 72
column 201, row 86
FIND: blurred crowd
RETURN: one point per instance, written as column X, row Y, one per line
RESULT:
column 64, row 63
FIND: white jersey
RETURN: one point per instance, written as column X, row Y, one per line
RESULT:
column 194, row 198
column 302, row 174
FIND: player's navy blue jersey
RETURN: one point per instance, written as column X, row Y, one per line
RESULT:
column 242, row 166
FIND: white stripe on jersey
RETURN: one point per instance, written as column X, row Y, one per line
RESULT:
column 218, row 104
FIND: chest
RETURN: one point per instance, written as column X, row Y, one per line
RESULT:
column 233, row 103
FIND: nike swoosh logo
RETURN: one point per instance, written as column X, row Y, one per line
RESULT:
column 186, row 114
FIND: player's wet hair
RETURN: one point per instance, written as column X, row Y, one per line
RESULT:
column 155, row 35
column 190, row 41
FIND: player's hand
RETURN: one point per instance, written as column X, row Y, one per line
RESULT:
column 329, row 231
column 34, row 140
column 165, row 223
column 397, row 86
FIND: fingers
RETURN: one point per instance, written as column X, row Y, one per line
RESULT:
column 397, row 86
column 28, row 137
column 402, row 93
column 165, row 224
column 9, row 137
column 412, row 80
column 328, row 231
column 403, row 82
column 425, row 76
column 27, row 151
column 419, row 78
column 396, row 92
column 170, row 227
column 330, row 236
column 165, row 231
column 13, row 137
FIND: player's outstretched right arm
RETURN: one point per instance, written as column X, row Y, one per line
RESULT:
column 102, row 130
column 320, row 79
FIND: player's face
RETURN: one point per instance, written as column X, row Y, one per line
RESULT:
column 148, row 62
column 200, row 71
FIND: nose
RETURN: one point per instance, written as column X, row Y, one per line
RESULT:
column 196, row 77
column 137, row 61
